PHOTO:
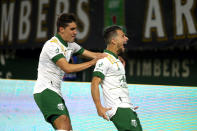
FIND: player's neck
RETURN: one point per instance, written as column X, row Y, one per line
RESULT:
column 112, row 49
column 61, row 35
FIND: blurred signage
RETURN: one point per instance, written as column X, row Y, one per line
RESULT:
column 114, row 13
column 167, row 71
column 150, row 24
column 28, row 24
column 161, row 23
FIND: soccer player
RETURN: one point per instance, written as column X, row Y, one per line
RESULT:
column 53, row 63
column 110, row 73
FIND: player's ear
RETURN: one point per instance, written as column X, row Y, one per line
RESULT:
column 61, row 29
column 113, row 41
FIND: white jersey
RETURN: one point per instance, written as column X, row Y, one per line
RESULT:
column 114, row 85
column 49, row 74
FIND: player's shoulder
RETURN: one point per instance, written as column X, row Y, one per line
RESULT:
column 53, row 42
column 104, row 60
column 110, row 59
column 72, row 44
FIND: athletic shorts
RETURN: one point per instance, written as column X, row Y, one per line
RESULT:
column 51, row 105
column 126, row 119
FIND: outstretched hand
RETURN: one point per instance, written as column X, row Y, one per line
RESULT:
column 102, row 112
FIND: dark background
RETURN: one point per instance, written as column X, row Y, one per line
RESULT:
column 19, row 59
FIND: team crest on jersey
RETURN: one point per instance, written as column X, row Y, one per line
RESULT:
column 57, row 50
column 101, row 64
column 134, row 123
column 60, row 106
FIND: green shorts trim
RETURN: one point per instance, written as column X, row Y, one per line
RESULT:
column 126, row 119
column 51, row 105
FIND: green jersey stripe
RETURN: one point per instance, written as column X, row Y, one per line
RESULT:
column 57, row 57
column 98, row 74
column 79, row 52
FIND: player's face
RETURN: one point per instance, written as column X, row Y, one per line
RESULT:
column 69, row 33
column 121, row 40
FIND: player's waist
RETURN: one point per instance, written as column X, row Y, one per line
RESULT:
column 116, row 93
column 123, row 99
column 117, row 100
column 52, row 80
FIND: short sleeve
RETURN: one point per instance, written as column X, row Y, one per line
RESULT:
column 78, row 50
column 54, row 52
column 101, row 68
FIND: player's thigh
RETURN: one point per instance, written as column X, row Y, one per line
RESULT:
column 126, row 119
column 51, row 105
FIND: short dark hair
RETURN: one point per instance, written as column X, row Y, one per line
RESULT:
column 64, row 19
column 110, row 32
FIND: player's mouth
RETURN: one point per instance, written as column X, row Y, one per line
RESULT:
column 73, row 37
column 124, row 45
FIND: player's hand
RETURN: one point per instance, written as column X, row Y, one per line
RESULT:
column 122, row 60
column 93, row 61
column 136, row 107
column 102, row 112
column 101, row 55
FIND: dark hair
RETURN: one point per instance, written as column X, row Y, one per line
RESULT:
column 64, row 19
column 110, row 32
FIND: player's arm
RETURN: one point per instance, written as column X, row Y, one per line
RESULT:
column 92, row 55
column 69, row 68
column 96, row 97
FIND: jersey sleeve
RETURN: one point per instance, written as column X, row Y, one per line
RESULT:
column 54, row 52
column 78, row 50
column 101, row 68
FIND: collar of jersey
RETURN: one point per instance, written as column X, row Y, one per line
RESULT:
column 109, row 52
column 61, row 40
